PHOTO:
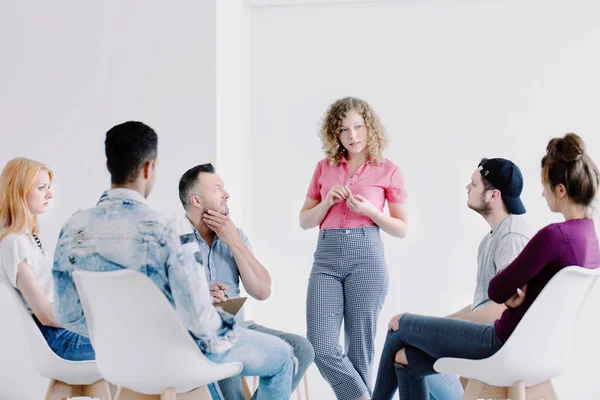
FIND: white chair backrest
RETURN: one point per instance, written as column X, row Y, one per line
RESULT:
column 544, row 335
column 139, row 340
column 44, row 359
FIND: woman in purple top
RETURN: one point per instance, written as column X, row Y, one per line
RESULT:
column 413, row 343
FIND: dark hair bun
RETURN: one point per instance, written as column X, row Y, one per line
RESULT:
column 567, row 149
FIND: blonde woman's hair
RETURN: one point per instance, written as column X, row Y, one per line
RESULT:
column 18, row 177
column 332, row 122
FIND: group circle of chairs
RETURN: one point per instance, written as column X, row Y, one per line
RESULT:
column 152, row 356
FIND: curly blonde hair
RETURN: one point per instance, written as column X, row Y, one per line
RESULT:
column 332, row 122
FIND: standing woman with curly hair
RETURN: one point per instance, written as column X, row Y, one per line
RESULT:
column 349, row 279
column 24, row 264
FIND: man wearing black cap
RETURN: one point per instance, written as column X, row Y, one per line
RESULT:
column 494, row 193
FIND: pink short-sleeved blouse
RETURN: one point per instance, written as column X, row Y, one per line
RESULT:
column 377, row 183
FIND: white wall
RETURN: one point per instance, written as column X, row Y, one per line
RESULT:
column 453, row 81
column 233, row 133
column 71, row 70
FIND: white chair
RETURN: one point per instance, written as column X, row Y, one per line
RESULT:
column 536, row 351
column 67, row 378
column 140, row 343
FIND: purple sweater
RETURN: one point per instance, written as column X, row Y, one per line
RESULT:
column 554, row 247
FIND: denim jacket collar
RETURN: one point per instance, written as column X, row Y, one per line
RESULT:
column 123, row 194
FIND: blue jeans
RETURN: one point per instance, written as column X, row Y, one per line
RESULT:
column 66, row 344
column 265, row 356
column 444, row 387
column 425, row 340
column 303, row 351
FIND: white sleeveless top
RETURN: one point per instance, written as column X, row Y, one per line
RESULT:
column 17, row 248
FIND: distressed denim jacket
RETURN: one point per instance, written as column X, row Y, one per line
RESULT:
column 123, row 232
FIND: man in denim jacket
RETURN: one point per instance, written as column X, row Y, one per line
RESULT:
column 123, row 232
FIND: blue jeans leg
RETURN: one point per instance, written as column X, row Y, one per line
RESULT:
column 444, row 387
column 67, row 344
column 265, row 356
column 425, row 340
column 215, row 392
column 303, row 351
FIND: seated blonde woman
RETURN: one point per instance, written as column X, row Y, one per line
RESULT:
column 24, row 263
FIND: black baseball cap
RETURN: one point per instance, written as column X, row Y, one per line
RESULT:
column 505, row 176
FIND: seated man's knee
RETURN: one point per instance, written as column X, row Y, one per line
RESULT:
column 306, row 351
column 285, row 355
column 286, row 348
column 394, row 322
column 305, row 356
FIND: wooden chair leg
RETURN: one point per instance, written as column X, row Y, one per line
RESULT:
column 169, row 394
column 126, row 394
column 472, row 389
column 99, row 389
column 305, row 377
column 475, row 389
column 58, row 390
column 517, row 391
column 493, row 392
column 544, row 390
column 549, row 391
column 113, row 389
column 299, row 390
column 202, row 393
column 246, row 388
